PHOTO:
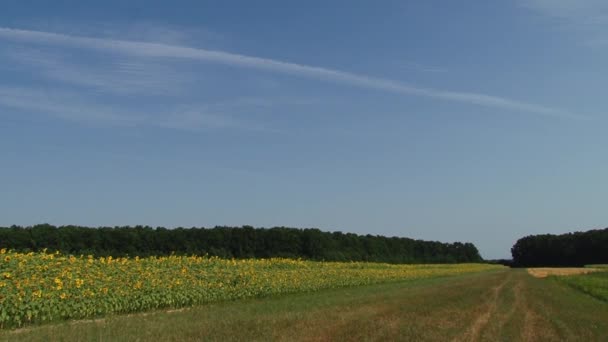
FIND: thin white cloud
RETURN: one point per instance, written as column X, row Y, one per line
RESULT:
column 195, row 117
column 78, row 108
column 147, row 31
column 112, row 75
column 583, row 12
column 414, row 66
column 589, row 17
column 147, row 49
column 64, row 105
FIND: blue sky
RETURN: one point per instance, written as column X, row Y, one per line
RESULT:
column 467, row 121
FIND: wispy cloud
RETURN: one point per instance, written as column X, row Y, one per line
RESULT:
column 65, row 105
column 112, row 75
column 158, row 50
column 583, row 12
column 193, row 118
column 74, row 106
column 587, row 16
column 415, row 66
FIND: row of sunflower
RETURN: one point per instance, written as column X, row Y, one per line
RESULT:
column 43, row 287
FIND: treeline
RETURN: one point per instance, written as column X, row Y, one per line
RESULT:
column 572, row 249
column 232, row 242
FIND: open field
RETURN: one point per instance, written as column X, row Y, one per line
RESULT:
column 40, row 288
column 499, row 305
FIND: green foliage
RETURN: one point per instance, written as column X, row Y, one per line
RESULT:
column 572, row 249
column 230, row 242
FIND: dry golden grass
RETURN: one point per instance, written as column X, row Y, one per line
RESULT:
column 542, row 272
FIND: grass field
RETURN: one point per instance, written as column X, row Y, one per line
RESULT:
column 598, row 266
column 594, row 284
column 499, row 305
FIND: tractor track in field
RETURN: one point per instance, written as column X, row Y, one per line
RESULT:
column 474, row 331
column 498, row 312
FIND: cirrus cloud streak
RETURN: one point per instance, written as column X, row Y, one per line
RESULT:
column 159, row 50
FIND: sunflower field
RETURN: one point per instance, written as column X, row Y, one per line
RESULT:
column 43, row 287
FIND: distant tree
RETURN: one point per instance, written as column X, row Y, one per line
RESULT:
column 227, row 242
column 571, row 249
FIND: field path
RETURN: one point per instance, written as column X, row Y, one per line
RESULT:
column 504, row 305
column 514, row 311
column 488, row 310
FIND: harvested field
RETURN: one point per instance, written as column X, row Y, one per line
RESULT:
column 542, row 272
